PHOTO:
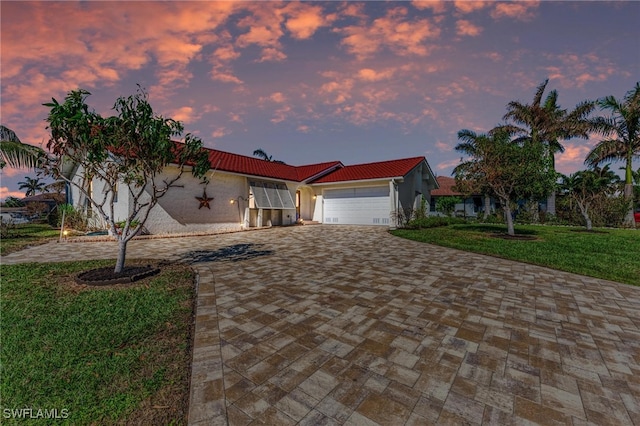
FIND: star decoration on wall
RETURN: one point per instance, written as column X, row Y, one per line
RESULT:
column 204, row 200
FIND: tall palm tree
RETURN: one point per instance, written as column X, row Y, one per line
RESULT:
column 31, row 186
column 546, row 123
column 16, row 154
column 622, row 139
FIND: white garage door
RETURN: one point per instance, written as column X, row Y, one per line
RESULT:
column 357, row 206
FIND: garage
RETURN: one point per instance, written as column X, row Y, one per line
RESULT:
column 357, row 206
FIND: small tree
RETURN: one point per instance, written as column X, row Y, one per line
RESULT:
column 131, row 149
column 587, row 188
column 513, row 171
column 31, row 186
column 447, row 205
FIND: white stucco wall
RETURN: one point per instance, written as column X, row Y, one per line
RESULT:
column 178, row 211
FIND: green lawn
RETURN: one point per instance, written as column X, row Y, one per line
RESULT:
column 117, row 354
column 28, row 234
column 612, row 254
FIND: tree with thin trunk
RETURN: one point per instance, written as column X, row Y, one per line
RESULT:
column 132, row 149
column 587, row 187
column 506, row 168
column 14, row 153
column 31, row 186
column 546, row 123
column 622, row 139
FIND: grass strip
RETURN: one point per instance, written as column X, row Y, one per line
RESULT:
column 610, row 254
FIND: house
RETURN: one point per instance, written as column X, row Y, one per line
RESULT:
column 245, row 192
column 469, row 206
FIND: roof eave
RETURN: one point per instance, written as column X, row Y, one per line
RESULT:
column 398, row 179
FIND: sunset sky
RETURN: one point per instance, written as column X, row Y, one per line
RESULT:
column 317, row 81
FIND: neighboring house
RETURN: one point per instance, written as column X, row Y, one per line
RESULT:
column 246, row 192
column 50, row 199
column 470, row 206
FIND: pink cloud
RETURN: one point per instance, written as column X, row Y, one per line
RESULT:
column 395, row 31
column 443, row 147
column 572, row 159
column 368, row 74
column 466, row 28
column 220, row 132
column 465, row 6
column 185, row 114
column 435, row 6
column 304, row 19
column 6, row 192
column 447, row 165
column 520, row 10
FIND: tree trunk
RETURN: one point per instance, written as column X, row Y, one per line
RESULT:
column 535, row 214
column 551, row 203
column 507, row 212
column 629, row 220
column 487, row 206
column 584, row 210
column 122, row 250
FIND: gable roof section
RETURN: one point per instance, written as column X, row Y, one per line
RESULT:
column 446, row 187
column 328, row 172
column 367, row 171
column 242, row 164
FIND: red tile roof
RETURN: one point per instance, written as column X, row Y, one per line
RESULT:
column 332, row 171
column 379, row 170
column 446, row 187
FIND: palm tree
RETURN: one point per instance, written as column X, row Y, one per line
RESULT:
column 546, row 123
column 31, row 186
column 16, row 154
column 622, row 139
column 260, row 153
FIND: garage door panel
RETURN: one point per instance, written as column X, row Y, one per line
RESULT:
column 357, row 206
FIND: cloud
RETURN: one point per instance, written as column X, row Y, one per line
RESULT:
column 443, row 146
column 572, row 158
column 6, row 192
column 304, row 19
column 466, row 28
column 572, row 69
column 395, row 31
column 520, row 10
column 220, row 132
column 466, row 6
column 435, row 6
column 447, row 165
column 368, row 74
column 185, row 114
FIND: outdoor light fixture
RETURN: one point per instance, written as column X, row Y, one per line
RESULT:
column 314, row 197
column 239, row 197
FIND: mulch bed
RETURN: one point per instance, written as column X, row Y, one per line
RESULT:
column 106, row 276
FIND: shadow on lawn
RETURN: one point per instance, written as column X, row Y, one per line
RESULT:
column 234, row 253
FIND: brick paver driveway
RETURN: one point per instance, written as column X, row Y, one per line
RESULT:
column 350, row 325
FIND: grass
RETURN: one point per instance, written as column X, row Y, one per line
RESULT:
column 611, row 254
column 29, row 234
column 105, row 355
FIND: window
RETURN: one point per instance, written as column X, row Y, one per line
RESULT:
column 271, row 195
